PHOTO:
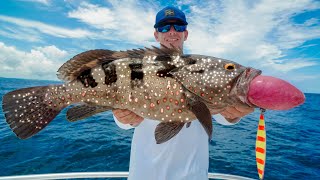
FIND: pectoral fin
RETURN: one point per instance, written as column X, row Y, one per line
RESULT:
column 167, row 130
column 203, row 115
column 83, row 111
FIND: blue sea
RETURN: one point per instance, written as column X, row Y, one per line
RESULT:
column 97, row 144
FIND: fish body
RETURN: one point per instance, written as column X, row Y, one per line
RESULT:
column 160, row 84
column 146, row 89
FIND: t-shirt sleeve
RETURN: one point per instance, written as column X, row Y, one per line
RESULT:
column 121, row 125
column 221, row 120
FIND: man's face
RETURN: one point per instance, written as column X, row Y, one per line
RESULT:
column 171, row 37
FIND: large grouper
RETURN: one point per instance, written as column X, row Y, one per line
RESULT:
column 160, row 84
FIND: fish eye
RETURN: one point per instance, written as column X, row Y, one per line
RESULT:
column 229, row 66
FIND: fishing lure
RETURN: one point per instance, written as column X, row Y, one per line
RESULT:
column 261, row 146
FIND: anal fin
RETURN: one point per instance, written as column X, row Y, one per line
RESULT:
column 83, row 111
column 167, row 130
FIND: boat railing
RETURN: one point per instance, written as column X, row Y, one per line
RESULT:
column 81, row 175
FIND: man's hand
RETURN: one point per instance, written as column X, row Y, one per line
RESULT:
column 232, row 113
column 127, row 117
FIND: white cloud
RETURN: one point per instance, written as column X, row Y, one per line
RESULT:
column 52, row 52
column 46, row 29
column 99, row 17
column 303, row 78
column 311, row 22
column 288, row 65
column 290, row 35
column 251, row 32
column 24, row 34
column 125, row 20
column 44, row 2
column 39, row 63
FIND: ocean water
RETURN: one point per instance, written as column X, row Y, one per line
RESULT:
column 97, row 144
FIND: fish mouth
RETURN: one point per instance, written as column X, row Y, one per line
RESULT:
column 242, row 83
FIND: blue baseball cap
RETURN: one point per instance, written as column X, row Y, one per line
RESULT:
column 170, row 13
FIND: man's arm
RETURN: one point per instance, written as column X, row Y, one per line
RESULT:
column 126, row 119
column 234, row 114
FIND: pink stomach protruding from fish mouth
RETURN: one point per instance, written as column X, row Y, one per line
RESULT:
column 272, row 93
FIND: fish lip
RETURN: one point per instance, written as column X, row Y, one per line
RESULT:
column 242, row 84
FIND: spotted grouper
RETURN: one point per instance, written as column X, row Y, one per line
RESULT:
column 160, row 84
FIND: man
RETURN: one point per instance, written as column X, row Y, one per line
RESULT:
column 185, row 156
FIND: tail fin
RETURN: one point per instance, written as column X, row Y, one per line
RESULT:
column 28, row 110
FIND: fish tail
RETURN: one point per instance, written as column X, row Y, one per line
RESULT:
column 29, row 110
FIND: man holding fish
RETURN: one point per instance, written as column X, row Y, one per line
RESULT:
column 186, row 155
column 159, row 84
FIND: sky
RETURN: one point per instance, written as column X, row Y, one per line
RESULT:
column 281, row 38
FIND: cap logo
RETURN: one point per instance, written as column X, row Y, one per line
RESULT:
column 169, row 12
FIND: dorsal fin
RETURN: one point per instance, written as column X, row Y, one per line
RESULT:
column 89, row 59
column 164, row 50
column 71, row 69
column 153, row 51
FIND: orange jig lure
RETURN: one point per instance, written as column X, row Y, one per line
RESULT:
column 261, row 146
